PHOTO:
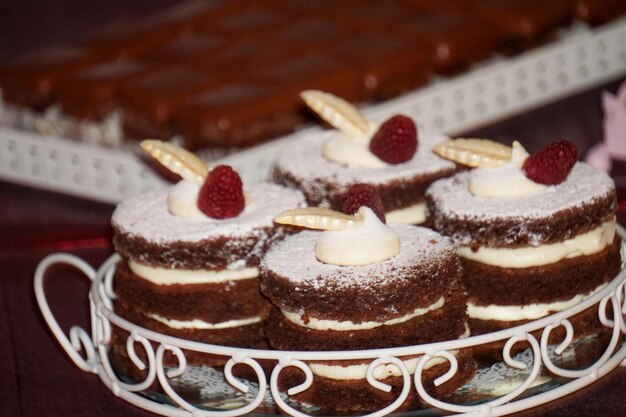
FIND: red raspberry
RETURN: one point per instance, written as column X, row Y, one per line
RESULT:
column 395, row 141
column 363, row 195
column 551, row 164
column 221, row 195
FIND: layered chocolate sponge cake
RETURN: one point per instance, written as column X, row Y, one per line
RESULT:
column 394, row 157
column 190, row 270
column 535, row 236
column 367, row 286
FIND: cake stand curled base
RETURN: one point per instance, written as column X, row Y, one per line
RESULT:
column 538, row 375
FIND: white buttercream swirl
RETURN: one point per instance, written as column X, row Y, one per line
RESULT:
column 584, row 244
column 505, row 181
column 165, row 276
column 367, row 242
column 524, row 312
column 347, row 325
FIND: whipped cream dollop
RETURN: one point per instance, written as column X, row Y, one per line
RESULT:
column 505, row 181
column 182, row 201
column 366, row 242
column 353, row 152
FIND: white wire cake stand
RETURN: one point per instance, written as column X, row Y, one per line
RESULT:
column 541, row 365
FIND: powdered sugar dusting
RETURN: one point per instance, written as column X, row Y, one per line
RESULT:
column 147, row 216
column 304, row 160
column 295, row 259
column 583, row 185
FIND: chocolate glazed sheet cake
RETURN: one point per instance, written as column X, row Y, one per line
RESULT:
column 161, row 76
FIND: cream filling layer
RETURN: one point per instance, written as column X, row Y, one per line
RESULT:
column 415, row 214
column 164, row 276
column 360, row 371
column 203, row 325
column 526, row 312
column 588, row 243
column 346, row 325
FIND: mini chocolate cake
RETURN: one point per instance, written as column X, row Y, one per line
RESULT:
column 530, row 254
column 303, row 165
column 414, row 297
column 191, row 276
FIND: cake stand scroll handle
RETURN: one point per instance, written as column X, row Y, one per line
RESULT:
column 79, row 339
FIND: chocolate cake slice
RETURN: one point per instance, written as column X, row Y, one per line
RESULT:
column 415, row 297
column 304, row 165
column 187, row 275
column 531, row 253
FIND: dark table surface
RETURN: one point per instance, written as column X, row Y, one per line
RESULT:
column 36, row 378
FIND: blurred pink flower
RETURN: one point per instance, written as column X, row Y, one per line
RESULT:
column 614, row 125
